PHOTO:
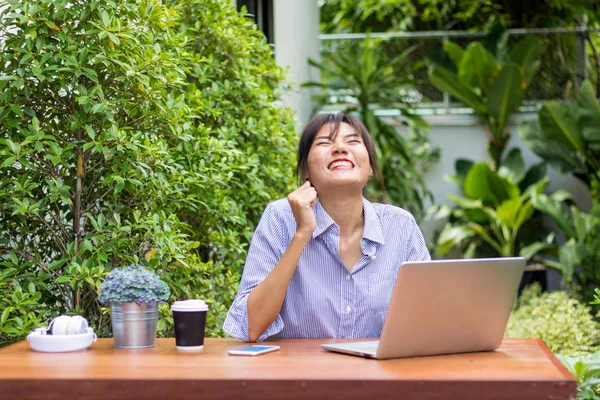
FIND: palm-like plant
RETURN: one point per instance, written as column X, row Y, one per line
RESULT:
column 567, row 136
column 363, row 78
column 496, row 206
column 493, row 85
column 576, row 226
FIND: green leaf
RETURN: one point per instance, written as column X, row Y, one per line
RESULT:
column 536, row 188
column 485, row 185
column 564, row 158
column 589, row 116
column 453, row 235
column 97, row 108
column 15, row 147
column 71, row 248
column 17, row 110
column 56, row 264
column 477, row 67
column 582, row 223
column 561, row 195
column 465, row 202
column 568, row 257
column 119, row 186
column 534, row 248
column 505, row 95
column 105, row 19
column 508, row 211
column 8, row 161
column 462, row 167
column 513, row 166
column 551, row 207
column 90, row 131
column 114, row 38
column 446, row 81
column 527, row 54
column 454, row 51
column 8, row 271
column 5, row 314
column 88, row 245
column 525, row 213
column 13, row 258
column 536, row 173
column 559, row 123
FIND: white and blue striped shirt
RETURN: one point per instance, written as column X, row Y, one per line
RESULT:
column 324, row 299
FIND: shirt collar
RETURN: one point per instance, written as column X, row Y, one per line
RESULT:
column 324, row 221
column 372, row 230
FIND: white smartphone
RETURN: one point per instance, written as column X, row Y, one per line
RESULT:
column 253, row 350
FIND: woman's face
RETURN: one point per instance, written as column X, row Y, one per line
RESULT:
column 343, row 161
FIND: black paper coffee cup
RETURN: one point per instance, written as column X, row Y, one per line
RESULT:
column 189, row 317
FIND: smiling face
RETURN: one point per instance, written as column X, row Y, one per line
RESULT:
column 342, row 161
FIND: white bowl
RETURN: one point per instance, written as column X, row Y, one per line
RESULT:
column 60, row 343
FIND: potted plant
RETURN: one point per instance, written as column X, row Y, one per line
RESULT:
column 133, row 293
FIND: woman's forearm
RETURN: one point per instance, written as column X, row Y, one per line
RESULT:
column 265, row 300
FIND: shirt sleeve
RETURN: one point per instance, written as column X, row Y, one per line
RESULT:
column 417, row 249
column 266, row 248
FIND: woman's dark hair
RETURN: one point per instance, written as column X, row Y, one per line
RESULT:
column 314, row 126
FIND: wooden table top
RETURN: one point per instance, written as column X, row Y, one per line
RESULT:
column 520, row 368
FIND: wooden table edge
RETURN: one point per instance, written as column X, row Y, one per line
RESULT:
column 552, row 357
column 287, row 389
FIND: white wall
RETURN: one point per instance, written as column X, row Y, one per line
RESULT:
column 296, row 36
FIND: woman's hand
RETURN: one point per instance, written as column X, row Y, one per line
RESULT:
column 301, row 200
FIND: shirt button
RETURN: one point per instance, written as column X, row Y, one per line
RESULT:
column 373, row 257
column 348, row 309
column 348, row 277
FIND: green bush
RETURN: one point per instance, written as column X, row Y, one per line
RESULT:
column 132, row 132
column 589, row 272
column 586, row 369
column 563, row 323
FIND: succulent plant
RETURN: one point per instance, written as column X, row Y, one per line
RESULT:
column 133, row 284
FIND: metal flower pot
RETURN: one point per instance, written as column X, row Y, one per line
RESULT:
column 134, row 326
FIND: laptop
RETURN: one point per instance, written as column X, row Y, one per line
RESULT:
column 445, row 307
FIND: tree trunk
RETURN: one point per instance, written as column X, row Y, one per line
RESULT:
column 77, row 203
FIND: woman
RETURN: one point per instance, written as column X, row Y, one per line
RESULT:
column 323, row 262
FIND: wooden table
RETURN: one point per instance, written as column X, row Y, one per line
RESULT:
column 520, row 369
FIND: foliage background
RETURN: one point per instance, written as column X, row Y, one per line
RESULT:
column 424, row 15
column 563, row 323
column 132, row 131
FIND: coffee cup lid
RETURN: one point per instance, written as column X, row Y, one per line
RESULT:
column 189, row 305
